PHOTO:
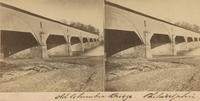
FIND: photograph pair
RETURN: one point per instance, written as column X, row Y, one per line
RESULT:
column 99, row 45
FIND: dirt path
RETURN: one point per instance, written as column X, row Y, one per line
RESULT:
column 173, row 79
column 167, row 74
column 57, row 74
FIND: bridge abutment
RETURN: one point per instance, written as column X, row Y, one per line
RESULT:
column 40, row 51
column 82, row 44
column 196, row 42
column 186, row 43
column 91, row 43
column 173, row 45
column 193, row 43
column 88, row 43
column 43, row 45
column 148, row 53
column 69, row 46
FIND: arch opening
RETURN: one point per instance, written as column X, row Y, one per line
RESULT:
column 120, row 40
column 76, row 47
column 91, row 40
column 158, row 40
column 160, row 45
column 55, row 40
column 195, row 39
column 179, row 39
column 13, row 42
column 85, row 40
column 75, row 40
column 189, row 39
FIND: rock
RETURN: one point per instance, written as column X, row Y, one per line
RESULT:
column 26, row 68
column 131, row 67
column 146, row 69
column 43, row 70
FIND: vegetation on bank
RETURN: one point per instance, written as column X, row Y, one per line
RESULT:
column 84, row 27
column 189, row 26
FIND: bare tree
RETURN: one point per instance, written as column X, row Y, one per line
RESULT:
column 189, row 26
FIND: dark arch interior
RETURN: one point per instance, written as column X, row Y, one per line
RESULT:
column 55, row 40
column 85, row 40
column 189, row 39
column 91, row 40
column 195, row 39
column 95, row 40
column 119, row 40
column 13, row 41
column 179, row 39
column 159, row 39
column 75, row 40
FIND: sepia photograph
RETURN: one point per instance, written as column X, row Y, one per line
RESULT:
column 51, row 45
column 105, row 50
column 152, row 45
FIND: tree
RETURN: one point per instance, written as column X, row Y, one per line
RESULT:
column 189, row 26
column 88, row 28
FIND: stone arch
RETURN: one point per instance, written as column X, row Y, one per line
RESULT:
column 180, row 45
column 128, row 23
column 91, row 40
column 55, row 40
column 17, row 43
column 190, row 39
column 160, row 45
column 76, row 46
column 195, row 39
column 75, row 40
column 120, row 40
column 85, row 40
column 179, row 39
column 86, row 43
column 159, row 39
column 12, row 22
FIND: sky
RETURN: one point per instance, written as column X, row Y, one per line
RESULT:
column 91, row 11
column 84, row 11
column 169, row 10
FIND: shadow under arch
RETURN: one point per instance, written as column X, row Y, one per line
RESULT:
column 119, row 40
column 75, row 40
column 189, row 39
column 18, row 24
column 159, row 39
column 14, row 42
column 91, row 40
column 76, row 46
column 55, row 40
column 85, row 40
column 179, row 39
column 195, row 39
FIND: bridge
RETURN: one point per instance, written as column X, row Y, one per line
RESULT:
column 130, row 33
column 25, row 34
